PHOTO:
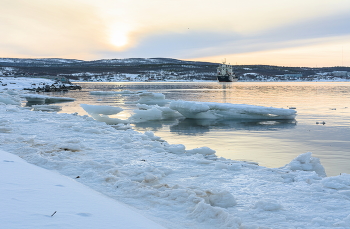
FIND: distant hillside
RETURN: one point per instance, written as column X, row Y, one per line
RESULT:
column 165, row 67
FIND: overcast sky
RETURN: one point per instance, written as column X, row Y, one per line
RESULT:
column 275, row 32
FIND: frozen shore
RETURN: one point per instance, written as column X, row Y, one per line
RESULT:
column 33, row 197
column 173, row 186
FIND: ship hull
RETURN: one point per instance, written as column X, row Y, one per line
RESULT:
column 226, row 79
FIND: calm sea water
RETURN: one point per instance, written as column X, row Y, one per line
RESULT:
column 269, row 143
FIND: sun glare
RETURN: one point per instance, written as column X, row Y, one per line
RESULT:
column 119, row 39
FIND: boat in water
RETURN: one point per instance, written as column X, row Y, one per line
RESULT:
column 225, row 73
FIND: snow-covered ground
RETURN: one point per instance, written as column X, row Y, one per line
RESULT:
column 33, row 197
column 141, row 181
column 21, row 82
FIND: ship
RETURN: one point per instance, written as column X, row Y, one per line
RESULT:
column 225, row 73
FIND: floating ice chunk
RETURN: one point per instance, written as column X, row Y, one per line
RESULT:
column 98, row 109
column 100, row 113
column 209, row 110
column 202, row 150
column 153, row 112
column 46, row 108
column 146, row 115
column 305, row 162
column 192, row 109
column 341, row 182
column 152, row 98
column 167, row 113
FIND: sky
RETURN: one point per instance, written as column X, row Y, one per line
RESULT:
column 275, row 32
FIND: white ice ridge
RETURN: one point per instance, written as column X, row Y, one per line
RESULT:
column 210, row 110
column 194, row 110
column 101, row 109
column 152, row 112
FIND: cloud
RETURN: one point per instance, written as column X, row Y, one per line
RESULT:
column 50, row 28
column 317, row 41
column 191, row 43
column 184, row 29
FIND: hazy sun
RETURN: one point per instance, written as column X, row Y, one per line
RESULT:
column 119, row 39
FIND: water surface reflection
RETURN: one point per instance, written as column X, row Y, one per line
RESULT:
column 200, row 126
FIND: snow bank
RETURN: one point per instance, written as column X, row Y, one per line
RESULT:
column 341, row 182
column 19, row 83
column 206, row 110
column 37, row 198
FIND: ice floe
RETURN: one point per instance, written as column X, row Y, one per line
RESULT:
column 101, row 109
column 152, row 98
column 209, row 110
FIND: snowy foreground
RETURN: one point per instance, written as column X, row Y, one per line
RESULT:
column 102, row 177
column 32, row 197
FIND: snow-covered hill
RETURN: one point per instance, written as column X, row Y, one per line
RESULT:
column 161, row 69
